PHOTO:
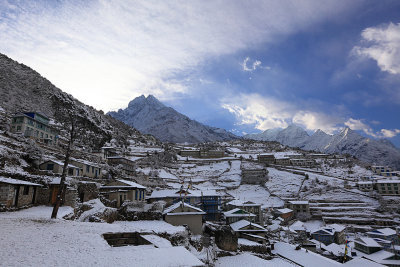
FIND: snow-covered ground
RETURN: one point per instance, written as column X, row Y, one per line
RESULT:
column 247, row 259
column 30, row 238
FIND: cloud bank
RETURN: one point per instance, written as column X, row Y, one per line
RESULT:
column 107, row 52
column 268, row 113
column 382, row 44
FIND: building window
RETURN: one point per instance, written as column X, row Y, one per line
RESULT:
column 18, row 128
column 70, row 171
column 136, row 195
column 26, row 190
column 87, row 168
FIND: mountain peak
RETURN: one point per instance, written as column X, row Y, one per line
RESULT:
column 150, row 116
column 141, row 101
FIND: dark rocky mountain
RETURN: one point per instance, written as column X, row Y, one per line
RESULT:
column 150, row 116
column 23, row 89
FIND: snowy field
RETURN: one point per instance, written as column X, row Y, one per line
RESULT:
column 30, row 238
column 283, row 184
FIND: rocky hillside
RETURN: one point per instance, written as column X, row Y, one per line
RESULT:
column 380, row 152
column 23, row 89
column 150, row 116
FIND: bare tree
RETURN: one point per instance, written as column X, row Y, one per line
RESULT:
column 75, row 124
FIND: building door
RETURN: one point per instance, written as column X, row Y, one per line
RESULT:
column 16, row 195
column 54, row 193
column 120, row 200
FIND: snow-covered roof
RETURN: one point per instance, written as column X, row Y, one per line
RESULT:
column 175, row 193
column 236, row 212
column 299, row 202
column 129, row 184
column 357, row 262
column 383, row 232
column 86, row 162
column 297, row 226
column 330, row 229
column 61, row 163
column 303, row 257
column 366, row 182
column 237, row 226
column 387, row 181
column 242, row 203
column 176, row 205
column 16, row 182
column 337, row 227
column 367, row 241
column 284, row 211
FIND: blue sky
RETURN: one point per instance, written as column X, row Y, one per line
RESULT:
column 245, row 66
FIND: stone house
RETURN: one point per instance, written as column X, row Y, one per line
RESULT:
column 128, row 166
column 57, row 167
column 366, row 245
column 299, row 207
column 282, row 161
column 266, row 158
column 182, row 213
column 202, row 153
column 88, row 169
column 388, row 187
column 248, row 206
column 333, row 233
column 70, row 193
column 207, row 200
column 285, row 213
column 36, row 126
column 253, row 173
column 385, row 234
column 17, row 193
column 309, row 163
column 365, row 186
column 379, row 169
column 123, row 190
column 238, row 214
column 244, row 227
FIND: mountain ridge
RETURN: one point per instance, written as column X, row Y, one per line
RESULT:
column 150, row 116
column 347, row 141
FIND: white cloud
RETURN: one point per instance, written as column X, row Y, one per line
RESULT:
column 252, row 67
column 382, row 44
column 267, row 113
column 359, row 125
column 316, row 120
column 107, row 52
column 389, row 133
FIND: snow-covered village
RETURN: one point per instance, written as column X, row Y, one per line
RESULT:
column 189, row 170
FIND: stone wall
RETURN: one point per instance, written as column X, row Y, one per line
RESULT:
column 6, row 195
column 43, row 196
column 71, row 196
column 87, row 191
column 254, row 176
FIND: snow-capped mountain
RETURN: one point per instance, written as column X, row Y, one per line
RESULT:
column 381, row 152
column 150, row 116
column 293, row 136
column 267, row 135
column 317, row 141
